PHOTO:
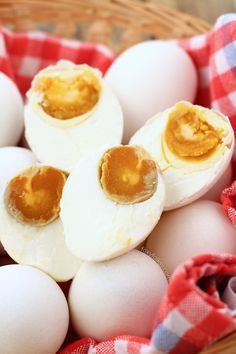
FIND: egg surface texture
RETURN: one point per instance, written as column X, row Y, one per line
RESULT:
column 34, row 311
column 112, row 200
column 148, row 78
column 12, row 112
column 200, row 227
column 70, row 110
column 30, row 230
column 120, row 296
column 193, row 146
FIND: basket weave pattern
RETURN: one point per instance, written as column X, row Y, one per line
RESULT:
column 115, row 23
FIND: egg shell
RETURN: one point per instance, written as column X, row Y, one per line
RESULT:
column 97, row 228
column 148, row 78
column 61, row 143
column 116, row 297
column 11, row 119
column 183, row 186
column 200, row 227
column 224, row 181
column 34, row 311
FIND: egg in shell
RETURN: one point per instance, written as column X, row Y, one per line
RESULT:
column 12, row 112
column 70, row 110
column 193, row 146
column 115, row 297
column 30, row 230
column 200, row 227
column 111, row 201
column 34, row 311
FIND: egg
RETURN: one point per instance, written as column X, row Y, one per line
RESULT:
column 193, row 146
column 120, row 296
column 70, row 111
column 30, row 228
column 200, row 227
column 149, row 78
column 12, row 112
column 224, row 181
column 111, row 201
column 34, row 311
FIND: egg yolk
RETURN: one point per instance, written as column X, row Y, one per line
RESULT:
column 128, row 174
column 34, row 195
column 65, row 97
column 189, row 135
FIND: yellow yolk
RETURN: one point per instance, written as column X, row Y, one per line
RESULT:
column 128, row 174
column 69, row 96
column 188, row 135
column 34, row 195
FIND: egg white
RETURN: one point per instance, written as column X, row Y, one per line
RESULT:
column 185, row 181
column 97, row 228
column 42, row 247
column 60, row 143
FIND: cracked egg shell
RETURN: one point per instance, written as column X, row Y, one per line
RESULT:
column 193, row 146
column 111, row 201
column 70, row 110
column 30, row 230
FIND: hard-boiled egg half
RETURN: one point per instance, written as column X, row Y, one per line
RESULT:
column 30, row 229
column 193, row 146
column 111, row 201
column 70, row 110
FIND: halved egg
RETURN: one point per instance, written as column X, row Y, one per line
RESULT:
column 193, row 146
column 111, row 201
column 30, row 228
column 70, row 110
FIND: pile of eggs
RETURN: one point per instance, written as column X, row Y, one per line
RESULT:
column 77, row 204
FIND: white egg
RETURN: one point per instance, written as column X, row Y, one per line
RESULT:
column 148, row 78
column 11, row 119
column 70, row 111
column 120, row 296
column 34, row 312
column 111, row 201
column 193, row 146
column 200, row 227
column 224, row 181
column 30, row 230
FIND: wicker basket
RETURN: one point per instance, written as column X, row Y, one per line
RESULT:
column 115, row 23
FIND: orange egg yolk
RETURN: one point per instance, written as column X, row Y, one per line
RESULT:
column 189, row 135
column 69, row 97
column 128, row 174
column 34, row 195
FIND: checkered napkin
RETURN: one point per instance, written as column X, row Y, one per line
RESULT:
column 22, row 55
column 228, row 199
column 191, row 315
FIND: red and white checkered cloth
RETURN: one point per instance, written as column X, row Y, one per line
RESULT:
column 191, row 315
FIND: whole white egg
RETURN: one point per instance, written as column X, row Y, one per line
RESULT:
column 148, row 78
column 12, row 112
column 116, row 297
column 34, row 311
column 200, row 227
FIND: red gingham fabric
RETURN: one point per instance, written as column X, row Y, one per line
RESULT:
column 228, row 199
column 22, row 55
column 191, row 315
